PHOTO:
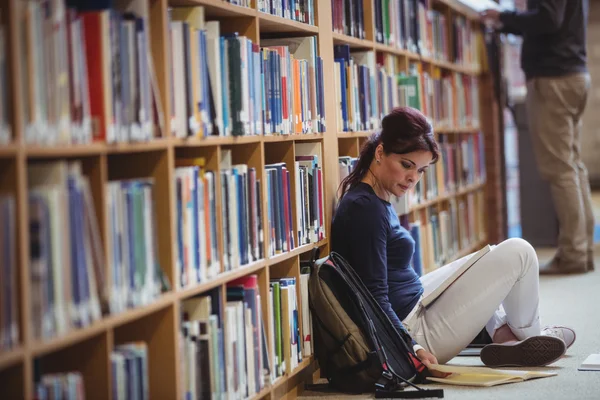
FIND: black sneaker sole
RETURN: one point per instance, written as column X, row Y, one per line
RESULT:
column 536, row 351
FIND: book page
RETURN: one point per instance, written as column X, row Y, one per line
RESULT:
column 456, row 269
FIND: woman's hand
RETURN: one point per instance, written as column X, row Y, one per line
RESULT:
column 428, row 359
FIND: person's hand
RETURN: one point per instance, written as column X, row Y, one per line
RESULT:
column 427, row 359
column 490, row 15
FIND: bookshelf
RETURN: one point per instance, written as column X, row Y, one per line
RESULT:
column 129, row 193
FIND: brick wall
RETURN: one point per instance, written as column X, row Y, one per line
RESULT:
column 590, row 141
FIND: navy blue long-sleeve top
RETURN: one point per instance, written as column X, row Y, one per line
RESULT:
column 366, row 231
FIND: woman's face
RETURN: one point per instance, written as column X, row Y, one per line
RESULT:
column 399, row 173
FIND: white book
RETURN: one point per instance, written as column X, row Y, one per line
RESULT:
column 460, row 267
column 591, row 363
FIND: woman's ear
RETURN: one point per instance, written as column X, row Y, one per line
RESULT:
column 379, row 153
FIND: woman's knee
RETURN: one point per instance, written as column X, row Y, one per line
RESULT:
column 523, row 253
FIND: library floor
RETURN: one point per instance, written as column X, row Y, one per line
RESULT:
column 569, row 300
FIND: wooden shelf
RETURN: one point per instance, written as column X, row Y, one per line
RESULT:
column 91, row 149
column 396, row 51
column 75, row 336
column 354, row 43
column 450, row 130
column 11, row 357
column 8, row 150
column 216, row 8
column 282, row 379
column 152, row 145
column 263, row 393
column 273, row 23
column 220, row 279
column 361, row 134
column 216, row 141
column 295, row 138
column 446, row 197
column 293, row 253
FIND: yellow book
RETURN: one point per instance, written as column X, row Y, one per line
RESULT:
column 484, row 377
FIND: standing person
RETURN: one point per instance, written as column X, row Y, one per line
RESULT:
column 499, row 292
column 554, row 61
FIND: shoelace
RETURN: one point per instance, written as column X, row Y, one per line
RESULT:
column 553, row 332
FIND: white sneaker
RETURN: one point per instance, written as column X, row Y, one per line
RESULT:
column 562, row 332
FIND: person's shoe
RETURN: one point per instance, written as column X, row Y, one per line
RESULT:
column 535, row 351
column 562, row 332
column 554, row 267
column 590, row 261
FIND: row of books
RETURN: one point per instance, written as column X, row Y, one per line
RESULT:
column 449, row 99
column 5, row 103
column 412, row 25
column 9, row 317
column 243, row 234
column 129, row 377
column 463, row 160
column 296, row 10
column 309, row 199
column 462, row 164
column 69, row 286
column 369, row 85
column 70, row 99
column 135, row 277
column 67, row 386
column 234, row 334
column 226, row 85
column 66, row 262
column 446, row 231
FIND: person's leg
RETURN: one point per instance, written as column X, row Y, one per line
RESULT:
column 551, row 106
column 584, row 182
column 508, row 275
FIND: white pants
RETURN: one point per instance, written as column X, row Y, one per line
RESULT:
column 501, row 288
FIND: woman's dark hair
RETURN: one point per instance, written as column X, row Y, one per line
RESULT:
column 403, row 130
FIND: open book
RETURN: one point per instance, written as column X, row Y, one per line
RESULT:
column 484, row 377
column 459, row 267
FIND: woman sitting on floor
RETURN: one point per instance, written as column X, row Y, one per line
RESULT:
column 499, row 292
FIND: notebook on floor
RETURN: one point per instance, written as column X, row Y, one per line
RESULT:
column 591, row 363
column 483, row 376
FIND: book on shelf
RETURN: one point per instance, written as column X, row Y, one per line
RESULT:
column 129, row 371
column 9, row 301
column 288, row 342
column 135, row 277
column 71, row 100
column 197, row 237
column 296, row 10
column 484, row 377
column 241, row 213
column 310, row 195
column 68, row 283
column 68, row 385
column 5, row 103
column 202, row 347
